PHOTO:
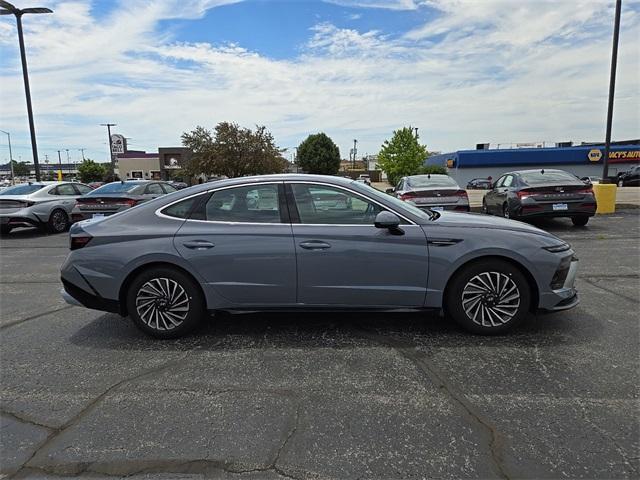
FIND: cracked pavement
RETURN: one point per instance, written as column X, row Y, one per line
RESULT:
column 321, row 396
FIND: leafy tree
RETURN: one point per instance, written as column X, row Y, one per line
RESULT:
column 90, row 171
column 232, row 151
column 318, row 154
column 402, row 155
column 21, row 169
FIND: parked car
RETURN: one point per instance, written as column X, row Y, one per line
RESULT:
column 95, row 185
column 177, row 185
column 591, row 180
column 115, row 197
column 168, row 261
column 479, row 184
column 433, row 192
column 541, row 193
column 364, row 178
column 630, row 178
column 46, row 205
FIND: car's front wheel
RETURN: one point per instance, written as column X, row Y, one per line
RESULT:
column 165, row 303
column 580, row 221
column 5, row 229
column 485, row 207
column 488, row 297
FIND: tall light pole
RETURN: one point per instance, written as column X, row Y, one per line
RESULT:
column 113, row 164
column 81, row 150
column 612, row 90
column 60, row 164
column 8, row 9
column 13, row 180
column 355, row 150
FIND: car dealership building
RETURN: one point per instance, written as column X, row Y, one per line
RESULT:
column 584, row 160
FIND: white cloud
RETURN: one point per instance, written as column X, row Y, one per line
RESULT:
column 492, row 73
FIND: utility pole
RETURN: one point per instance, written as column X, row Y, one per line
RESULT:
column 612, row 89
column 82, row 151
column 355, row 150
column 68, row 162
column 416, row 129
column 60, row 164
column 113, row 163
column 13, row 180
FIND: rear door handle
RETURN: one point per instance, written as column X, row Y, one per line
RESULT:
column 199, row 245
column 315, row 245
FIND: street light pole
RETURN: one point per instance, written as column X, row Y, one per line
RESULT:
column 60, row 165
column 13, row 180
column 612, row 89
column 82, row 151
column 355, row 150
column 9, row 9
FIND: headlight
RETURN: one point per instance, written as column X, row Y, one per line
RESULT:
column 562, row 247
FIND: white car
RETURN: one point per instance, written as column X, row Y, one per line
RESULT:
column 46, row 205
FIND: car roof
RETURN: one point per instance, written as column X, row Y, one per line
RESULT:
column 534, row 170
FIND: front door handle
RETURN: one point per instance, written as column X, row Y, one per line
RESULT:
column 315, row 245
column 199, row 245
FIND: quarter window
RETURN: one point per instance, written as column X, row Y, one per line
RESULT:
column 248, row 204
column 318, row 204
column 155, row 189
column 82, row 189
column 182, row 209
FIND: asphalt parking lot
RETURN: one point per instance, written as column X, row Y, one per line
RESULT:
column 384, row 396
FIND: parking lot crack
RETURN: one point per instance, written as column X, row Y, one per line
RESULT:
column 90, row 407
column 408, row 351
column 34, row 317
column 22, row 419
column 609, row 290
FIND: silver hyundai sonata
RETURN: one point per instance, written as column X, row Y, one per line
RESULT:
column 285, row 242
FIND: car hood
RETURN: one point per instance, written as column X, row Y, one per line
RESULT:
column 477, row 220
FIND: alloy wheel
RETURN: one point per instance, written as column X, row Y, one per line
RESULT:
column 162, row 304
column 491, row 299
column 58, row 221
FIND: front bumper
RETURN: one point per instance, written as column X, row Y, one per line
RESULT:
column 565, row 297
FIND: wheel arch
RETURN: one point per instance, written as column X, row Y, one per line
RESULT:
column 124, row 287
column 533, row 285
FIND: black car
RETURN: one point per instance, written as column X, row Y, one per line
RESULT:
column 541, row 193
column 479, row 184
column 630, row 178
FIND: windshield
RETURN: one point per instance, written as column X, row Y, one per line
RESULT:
column 116, row 187
column 22, row 189
column 536, row 178
column 377, row 194
column 431, row 181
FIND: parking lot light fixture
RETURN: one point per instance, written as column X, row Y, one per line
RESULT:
column 9, row 9
column 13, row 180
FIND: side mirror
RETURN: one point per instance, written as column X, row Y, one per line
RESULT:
column 390, row 190
column 389, row 221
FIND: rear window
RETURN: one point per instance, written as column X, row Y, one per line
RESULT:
column 434, row 181
column 117, row 187
column 537, row 178
column 22, row 189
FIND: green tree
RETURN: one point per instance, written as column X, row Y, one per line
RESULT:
column 318, row 154
column 232, row 151
column 21, row 169
column 90, row 171
column 402, row 155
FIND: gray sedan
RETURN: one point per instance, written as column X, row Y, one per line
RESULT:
column 433, row 192
column 276, row 242
column 46, row 205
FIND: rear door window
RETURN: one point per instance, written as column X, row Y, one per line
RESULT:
column 66, row 189
column 246, row 204
column 154, row 189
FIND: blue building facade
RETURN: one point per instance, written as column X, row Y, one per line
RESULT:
column 582, row 160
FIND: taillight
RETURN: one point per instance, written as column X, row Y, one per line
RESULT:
column 524, row 194
column 584, row 191
column 408, row 196
column 79, row 241
column 130, row 201
column 461, row 193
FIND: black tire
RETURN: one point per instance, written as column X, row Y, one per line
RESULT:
column 165, row 323
column 58, row 221
column 5, row 229
column 485, row 207
column 482, row 318
column 580, row 221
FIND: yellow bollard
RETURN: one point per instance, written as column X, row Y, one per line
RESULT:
column 606, row 197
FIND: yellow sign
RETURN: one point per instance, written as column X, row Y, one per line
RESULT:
column 595, row 155
column 625, row 155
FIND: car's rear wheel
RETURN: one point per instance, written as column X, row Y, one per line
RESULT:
column 580, row 221
column 488, row 297
column 165, row 303
column 5, row 229
column 58, row 221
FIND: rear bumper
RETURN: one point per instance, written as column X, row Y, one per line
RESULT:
column 530, row 209
column 74, row 295
column 19, row 219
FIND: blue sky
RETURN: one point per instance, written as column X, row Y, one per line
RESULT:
column 463, row 71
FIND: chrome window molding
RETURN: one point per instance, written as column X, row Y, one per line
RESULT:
column 159, row 213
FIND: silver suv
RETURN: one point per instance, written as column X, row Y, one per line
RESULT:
column 46, row 205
